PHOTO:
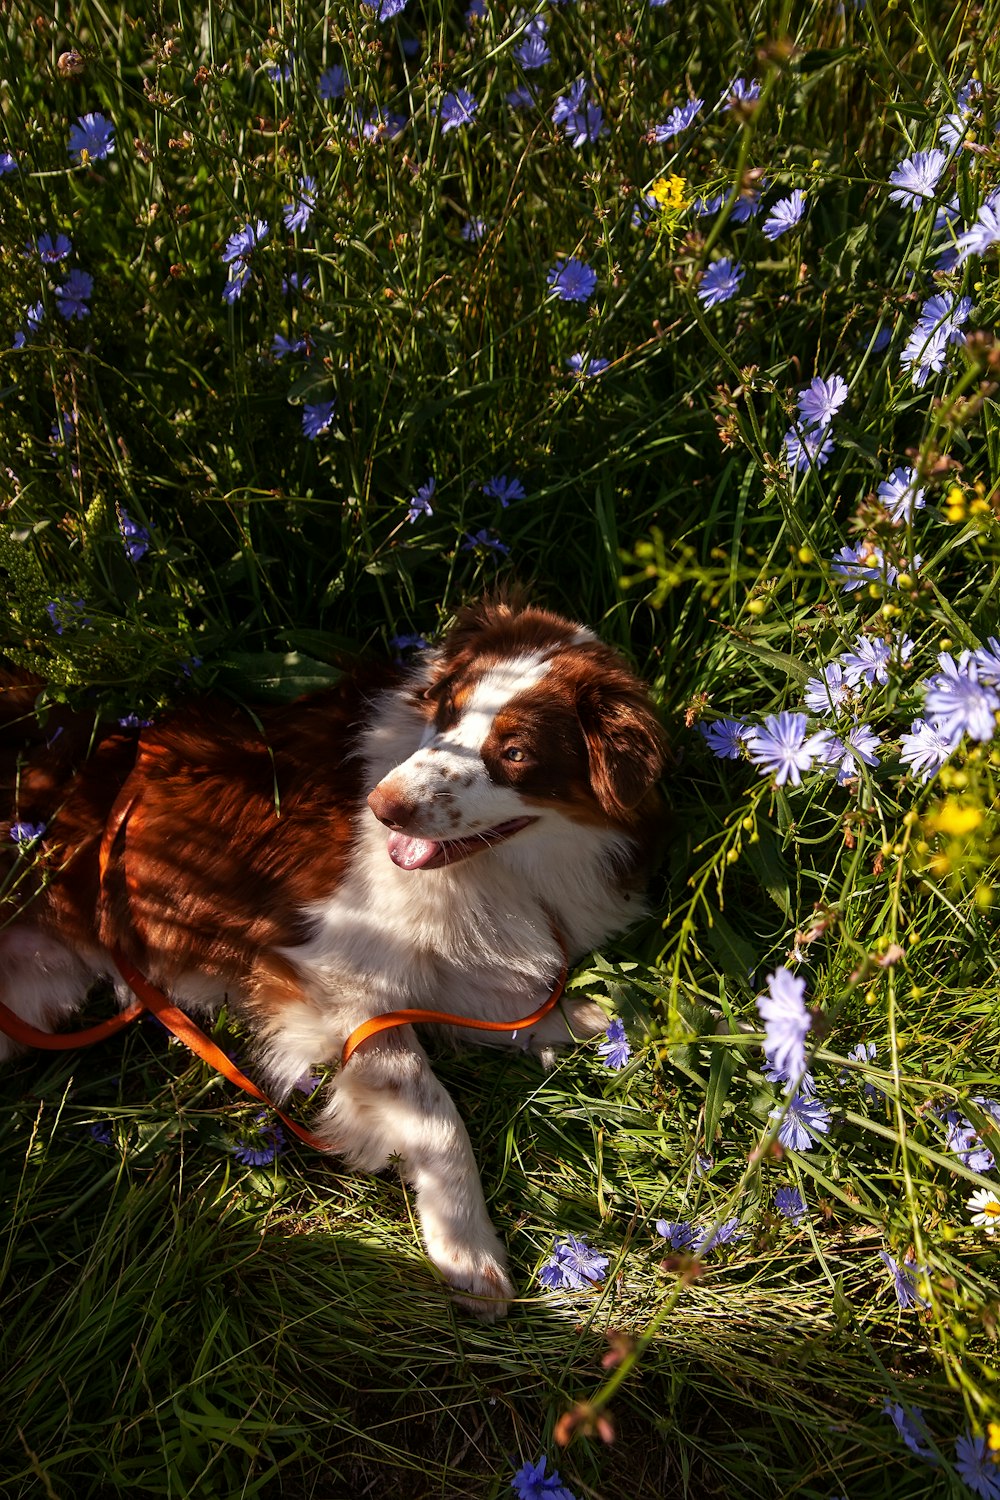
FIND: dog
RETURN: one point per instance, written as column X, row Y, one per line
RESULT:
column 439, row 838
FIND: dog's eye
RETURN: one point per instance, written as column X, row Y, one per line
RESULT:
column 513, row 753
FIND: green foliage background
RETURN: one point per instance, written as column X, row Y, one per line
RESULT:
column 176, row 1325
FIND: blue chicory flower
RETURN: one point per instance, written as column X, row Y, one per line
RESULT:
column 679, row 1235
column 483, row 538
column 790, row 1204
column 92, row 138
column 533, row 51
column 531, row 1482
column 73, row 295
column 582, row 121
column 49, row 250
column 975, row 1467
column 317, row 418
column 521, row 97
column 865, row 563
column 573, row 1265
column 281, row 347
column 860, row 743
column 298, row 213
column 820, row 401
column 938, row 326
column 237, row 256
column 679, row 118
column 457, row 109
column 135, row 537
column 720, row 281
column 708, row 1238
column 868, row 663
column 926, row 749
column 914, row 181
column 420, row 503
column 25, row 834
column 782, row 747
column 34, row 317
column 260, row 1148
column 383, row 125
column 964, row 1140
column 828, row 692
column 911, row 1425
column 807, row 447
column 281, row 70
column 585, row 366
column 503, row 488
column 901, row 495
column 983, row 232
column 802, row 1118
column 572, row 280
column 724, row 737
column 784, row 215
column 615, row 1049
column 957, row 701
column 742, row 91
column 332, row 83
column 786, row 1026
column 904, row 1281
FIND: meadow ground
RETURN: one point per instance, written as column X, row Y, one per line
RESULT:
column 317, row 320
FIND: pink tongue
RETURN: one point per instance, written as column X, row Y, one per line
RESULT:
column 411, row 853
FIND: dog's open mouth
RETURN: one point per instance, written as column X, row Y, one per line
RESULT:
column 411, row 853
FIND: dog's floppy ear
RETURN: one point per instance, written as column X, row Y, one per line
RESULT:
column 626, row 744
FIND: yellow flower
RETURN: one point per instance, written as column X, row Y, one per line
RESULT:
column 955, row 817
column 669, row 192
column 955, row 507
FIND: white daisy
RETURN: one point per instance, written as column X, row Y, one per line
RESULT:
column 985, row 1206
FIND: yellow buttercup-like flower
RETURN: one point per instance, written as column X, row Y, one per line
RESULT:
column 956, row 818
column 669, row 192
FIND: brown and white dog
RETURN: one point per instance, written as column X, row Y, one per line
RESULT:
column 358, row 851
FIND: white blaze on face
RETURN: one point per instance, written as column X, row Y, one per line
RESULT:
column 494, row 690
column 446, row 781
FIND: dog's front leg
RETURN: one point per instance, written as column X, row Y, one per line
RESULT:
column 387, row 1105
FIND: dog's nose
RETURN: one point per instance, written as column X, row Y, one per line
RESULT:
column 393, row 811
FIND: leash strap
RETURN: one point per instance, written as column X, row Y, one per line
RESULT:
column 64, row 1041
column 179, row 1023
column 187, row 1031
column 444, row 1018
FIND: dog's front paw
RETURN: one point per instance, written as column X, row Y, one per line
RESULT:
column 585, row 1019
column 477, row 1276
column 578, row 1021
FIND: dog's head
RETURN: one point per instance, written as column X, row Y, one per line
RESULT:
column 528, row 717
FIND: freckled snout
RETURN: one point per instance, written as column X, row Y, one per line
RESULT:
column 389, row 807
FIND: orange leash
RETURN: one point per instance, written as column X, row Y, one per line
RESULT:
column 64, row 1041
column 444, row 1018
column 153, row 1000
column 188, row 1032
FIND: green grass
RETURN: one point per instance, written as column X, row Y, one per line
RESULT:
column 175, row 1324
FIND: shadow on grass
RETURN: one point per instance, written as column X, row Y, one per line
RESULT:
column 174, row 1324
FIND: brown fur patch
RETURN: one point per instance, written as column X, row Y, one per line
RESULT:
column 233, row 831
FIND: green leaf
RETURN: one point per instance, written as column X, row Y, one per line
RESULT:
column 790, row 665
column 725, row 1061
column 737, row 957
column 764, row 859
column 818, row 58
column 275, row 676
